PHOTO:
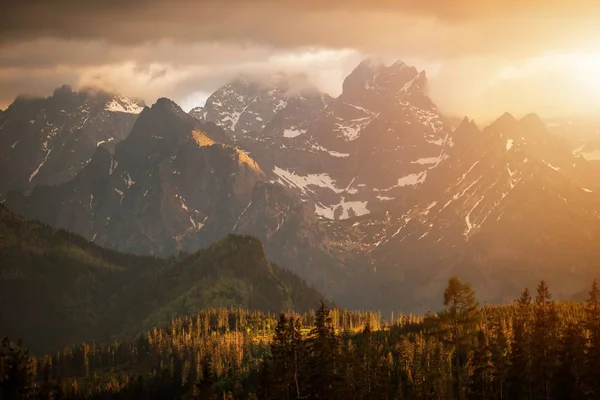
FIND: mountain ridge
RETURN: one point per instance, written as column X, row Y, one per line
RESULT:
column 57, row 288
column 49, row 140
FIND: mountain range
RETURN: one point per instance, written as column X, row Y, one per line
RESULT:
column 374, row 196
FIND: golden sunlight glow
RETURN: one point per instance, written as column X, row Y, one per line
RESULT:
column 581, row 69
column 588, row 73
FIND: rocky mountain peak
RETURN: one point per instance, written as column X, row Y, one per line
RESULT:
column 466, row 132
column 245, row 106
column 373, row 81
column 506, row 120
column 64, row 90
column 49, row 140
column 167, row 104
column 532, row 122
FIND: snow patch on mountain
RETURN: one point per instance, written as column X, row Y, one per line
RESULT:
column 234, row 118
column 590, row 155
column 552, row 166
column 120, row 193
column 123, row 105
column 281, row 105
column 509, row 144
column 100, row 142
column 470, row 224
column 182, row 200
column 346, row 209
column 113, row 165
column 292, row 133
column 427, row 160
column 412, row 179
column 351, row 129
column 241, row 215
column 303, row 182
column 128, row 181
column 37, row 170
column 197, row 225
column 429, row 119
column 330, row 152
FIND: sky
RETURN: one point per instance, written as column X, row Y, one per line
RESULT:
column 482, row 57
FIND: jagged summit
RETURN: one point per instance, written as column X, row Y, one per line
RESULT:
column 246, row 105
column 49, row 140
column 467, row 125
column 63, row 90
column 505, row 122
column 533, row 122
column 506, row 117
column 166, row 104
column 374, row 75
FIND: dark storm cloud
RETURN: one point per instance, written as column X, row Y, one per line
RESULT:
column 176, row 48
column 362, row 24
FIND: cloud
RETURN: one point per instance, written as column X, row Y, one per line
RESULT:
column 184, row 49
column 438, row 28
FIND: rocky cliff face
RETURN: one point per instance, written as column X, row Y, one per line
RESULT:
column 48, row 141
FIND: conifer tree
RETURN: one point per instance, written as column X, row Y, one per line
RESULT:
column 570, row 379
column 481, row 378
column 17, row 374
column 500, row 360
column 460, row 318
column 322, row 357
column 205, row 386
column 520, row 376
column 297, row 357
column 544, row 342
column 592, row 324
column 281, row 379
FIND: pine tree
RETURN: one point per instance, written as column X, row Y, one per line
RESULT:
column 17, row 372
column 480, row 383
column 544, row 342
column 570, row 379
column 280, row 378
column 49, row 389
column 322, row 357
column 460, row 317
column 520, row 375
column 297, row 356
column 500, row 360
column 205, row 387
column 592, row 324
column 366, row 367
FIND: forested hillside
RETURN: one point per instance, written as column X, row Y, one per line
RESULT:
column 534, row 348
column 57, row 288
